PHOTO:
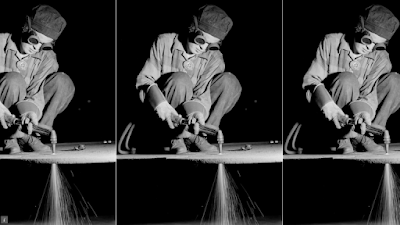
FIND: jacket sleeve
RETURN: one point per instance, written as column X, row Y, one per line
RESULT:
column 34, row 91
column 151, row 70
column 201, row 92
column 317, row 72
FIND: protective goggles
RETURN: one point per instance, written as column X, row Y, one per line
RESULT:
column 200, row 40
column 367, row 40
column 34, row 40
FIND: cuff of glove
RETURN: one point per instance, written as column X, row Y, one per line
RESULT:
column 155, row 96
column 193, row 106
column 27, row 106
column 361, row 106
column 321, row 96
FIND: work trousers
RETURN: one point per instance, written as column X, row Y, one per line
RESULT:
column 58, row 93
column 225, row 91
column 344, row 88
column 317, row 134
column 177, row 88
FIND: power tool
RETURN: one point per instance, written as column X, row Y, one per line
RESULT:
column 203, row 130
column 38, row 130
column 371, row 130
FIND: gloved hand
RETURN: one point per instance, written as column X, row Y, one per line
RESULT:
column 364, row 119
column 29, row 118
column 4, row 111
column 165, row 111
column 196, row 118
column 333, row 112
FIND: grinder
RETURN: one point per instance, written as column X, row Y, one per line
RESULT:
column 372, row 130
column 40, row 129
column 209, row 131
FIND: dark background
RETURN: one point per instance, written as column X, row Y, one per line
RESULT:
column 251, row 50
column 165, row 191
column 305, row 23
column 86, row 52
column 23, row 184
column 327, row 191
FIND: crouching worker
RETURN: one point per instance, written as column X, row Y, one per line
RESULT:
column 184, row 76
column 351, row 76
column 31, row 89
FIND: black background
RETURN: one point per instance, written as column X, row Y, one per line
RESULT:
column 86, row 52
column 164, row 191
column 326, row 191
column 251, row 50
column 23, row 184
column 305, row 23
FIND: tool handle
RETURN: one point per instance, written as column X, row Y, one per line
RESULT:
column 202, row 128
column 371, row 129
column 40, row 129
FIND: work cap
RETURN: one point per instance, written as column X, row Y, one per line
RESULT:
column 214, row 21
column 48, row 21
column 380, row 20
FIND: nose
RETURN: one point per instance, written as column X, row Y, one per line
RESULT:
column 371, row 46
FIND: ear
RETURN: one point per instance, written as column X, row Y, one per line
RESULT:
column 27, row 25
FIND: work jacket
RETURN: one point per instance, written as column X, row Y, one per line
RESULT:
column 167, row 55
column 333, row 56
column 33, row 68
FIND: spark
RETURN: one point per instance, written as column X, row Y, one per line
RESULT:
column 385, row 208
column 226, row 206
column 57, row 205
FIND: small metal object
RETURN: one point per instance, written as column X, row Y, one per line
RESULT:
column 220, row 140
column 386, row 140
column 246, row 147
column 53, row 140
column 79, row 147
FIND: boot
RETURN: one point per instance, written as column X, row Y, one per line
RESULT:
column 344, row 146
column 197, row 143
column 31, row 143
column 366, row 144
column 10, row 146
column 178, row 146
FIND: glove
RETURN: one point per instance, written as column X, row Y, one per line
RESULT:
column 4, row 112
column 29, row 118
column 333, row 112
column 197, row 119
column 165, row 111
column 363, row 119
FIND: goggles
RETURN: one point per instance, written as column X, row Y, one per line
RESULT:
column 34, row 40
column 200, row 40
column 367, row 40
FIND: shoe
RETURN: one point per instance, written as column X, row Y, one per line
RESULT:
column 31, row 143
column 178, row 146
column 11, row 146
column 344, row 146
column 366, row 144
column 198, row 143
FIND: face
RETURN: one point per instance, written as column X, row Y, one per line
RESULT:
column 34, row 42
column 200, row 43
column 367, row 43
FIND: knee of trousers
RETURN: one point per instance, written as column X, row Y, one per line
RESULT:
column 63, row 81
column 230, row 81
column 180, row 80
column 347, row 80
column 14, row 80
column 393, row 80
